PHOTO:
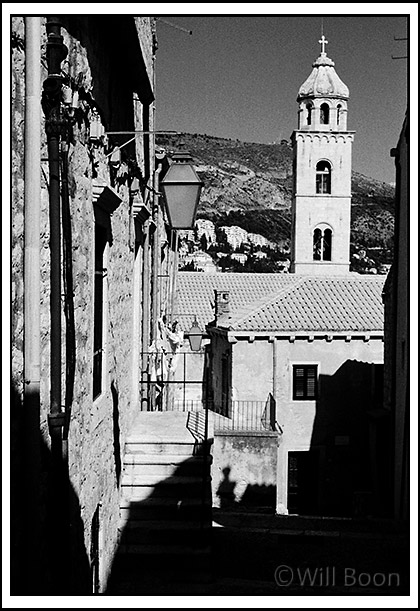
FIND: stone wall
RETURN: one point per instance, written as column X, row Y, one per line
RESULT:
column 244, row 471
column 97, row 429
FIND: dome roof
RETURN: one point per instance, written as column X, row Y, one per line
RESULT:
column 323, row 81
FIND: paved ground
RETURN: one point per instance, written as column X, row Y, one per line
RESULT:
column 290, row 555
column 266, row 555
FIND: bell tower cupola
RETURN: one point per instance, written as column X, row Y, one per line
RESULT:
column 322, row 173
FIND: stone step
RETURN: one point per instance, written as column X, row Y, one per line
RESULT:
column 162, row 458
column 135, row 494
column 165, row 533
column 160, row 574
column 137, row 446
column 153, row 479
column 165, row 465
column 155, row 585
column 166, row 509
column 163, row 555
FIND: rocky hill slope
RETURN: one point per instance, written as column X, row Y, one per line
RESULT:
column 250, row 185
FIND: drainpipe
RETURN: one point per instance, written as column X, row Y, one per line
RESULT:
column 173, row 285
column 31, row 266
column 56, row 52
column 145, row 315
column 275, row 369
column 155, row 266
column 56, row 127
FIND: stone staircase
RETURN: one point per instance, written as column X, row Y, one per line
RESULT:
column 165, row 509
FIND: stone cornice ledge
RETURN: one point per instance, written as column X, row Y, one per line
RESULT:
column 104, row 196
column 140, row 211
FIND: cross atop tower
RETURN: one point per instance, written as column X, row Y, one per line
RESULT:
column 323, row 42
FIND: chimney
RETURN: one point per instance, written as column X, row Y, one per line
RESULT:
column 222, row 308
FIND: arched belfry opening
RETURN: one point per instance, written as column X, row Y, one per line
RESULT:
column 325, row 114
column 323, row 177
column 322, row 244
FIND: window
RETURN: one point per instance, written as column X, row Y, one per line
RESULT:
column 338, row 114
column 309, row 114
column 325, row 114
column 98, row 312
column 322, row 244
column 305, row 379
column 323, row 177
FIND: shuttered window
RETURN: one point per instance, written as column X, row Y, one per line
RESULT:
column 305, row 382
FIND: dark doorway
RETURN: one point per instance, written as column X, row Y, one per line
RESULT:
column 303, row 478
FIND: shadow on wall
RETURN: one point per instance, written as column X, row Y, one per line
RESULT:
column 255, row 498
column 47, row 550
column 116, row 433
column 346, row 470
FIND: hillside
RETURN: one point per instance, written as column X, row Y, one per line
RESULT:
column 250, row 185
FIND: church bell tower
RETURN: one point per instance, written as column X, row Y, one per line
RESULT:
column 322, row 174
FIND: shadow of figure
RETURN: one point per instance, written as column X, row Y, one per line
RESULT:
column 225, row 491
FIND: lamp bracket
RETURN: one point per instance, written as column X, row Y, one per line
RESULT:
column 137, row 132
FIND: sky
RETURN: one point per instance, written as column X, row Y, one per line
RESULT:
column 237, row 76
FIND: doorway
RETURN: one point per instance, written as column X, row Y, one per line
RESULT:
column 303, row 482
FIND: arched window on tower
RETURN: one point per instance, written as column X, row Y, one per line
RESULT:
column 325, row 114
column 322, row 241
column 323, row 177
column 339, row 107
column 309, row 114
column 317, row 244
column 326, row 245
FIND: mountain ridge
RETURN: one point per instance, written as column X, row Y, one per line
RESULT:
column 251, row 185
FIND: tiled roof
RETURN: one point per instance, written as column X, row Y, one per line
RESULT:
column 284, row 302
column 195, row 293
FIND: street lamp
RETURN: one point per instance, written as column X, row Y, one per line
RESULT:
column 195, row 335
column 181, row 188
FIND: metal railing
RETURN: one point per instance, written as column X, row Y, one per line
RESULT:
column 245, row 416
column 170, row 373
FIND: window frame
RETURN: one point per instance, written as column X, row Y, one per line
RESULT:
column 323, row 178
column 325, row 247
column 306, row 367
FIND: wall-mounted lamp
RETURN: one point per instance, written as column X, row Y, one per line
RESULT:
column 115, row 157
column 181, row 188
column 96, row 128
column 195, row 336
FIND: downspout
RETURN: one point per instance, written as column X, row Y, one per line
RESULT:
column 145, row 316
column 155, row 265
column 275, row 384
column 173, row 287
column 56, row 127
column 70, row 357
column 31, row 266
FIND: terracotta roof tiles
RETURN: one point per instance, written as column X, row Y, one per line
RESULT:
column 284, row 302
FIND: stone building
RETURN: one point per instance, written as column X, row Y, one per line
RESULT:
column 396, row 349
column 89, row 241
